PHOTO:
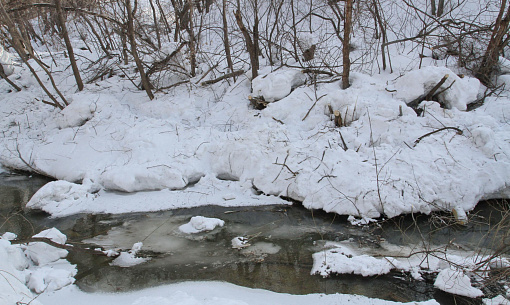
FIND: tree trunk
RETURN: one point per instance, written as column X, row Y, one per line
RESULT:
column 440, row 8
column 226, row 42
column 346, row 46
column 70, row 51
column 192, row 47
column 250, row 46
column 495, row 46
column 131, row 33
column 433, row 7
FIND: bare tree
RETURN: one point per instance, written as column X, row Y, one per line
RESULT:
column 131, row 34
column 70, row 51
column 346, row 44
column 498, row 40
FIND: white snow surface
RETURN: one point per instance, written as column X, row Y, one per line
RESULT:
column 34, row 267
column 457, row 282
column 123, row 142
column 129, row 258
column 7, row 62
column 206, row 293
column 199, row 224
column 276, row 85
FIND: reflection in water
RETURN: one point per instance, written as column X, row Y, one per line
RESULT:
column 283, row 239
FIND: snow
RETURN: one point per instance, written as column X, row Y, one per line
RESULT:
column 418, row 82
column 61, row 198
column 276, row 85
column 34, row 267
column 129, row 258
column 456, row 282
column 206, row 293
column 114, row 151
column 348, row 257
column 7, row 61
column 345, row 261
column 240, row 242
column 199, row 224
column 499, row 300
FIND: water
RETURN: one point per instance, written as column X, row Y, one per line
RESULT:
column 283, row 239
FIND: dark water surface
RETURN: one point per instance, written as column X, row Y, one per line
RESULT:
column 283, row 239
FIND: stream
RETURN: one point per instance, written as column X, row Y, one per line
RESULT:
column 282, row 238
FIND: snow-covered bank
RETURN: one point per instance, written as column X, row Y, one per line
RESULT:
column 393, row 164
column 206, row 293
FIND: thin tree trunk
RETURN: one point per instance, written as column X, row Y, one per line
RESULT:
column 226, row 42
column 70, row 51
column 249, row 44
column 346, row 46
column 433, row 7
column 440, row 8
column 192, row 47
column 495, row 46
column 131, row 33
column 154, row 16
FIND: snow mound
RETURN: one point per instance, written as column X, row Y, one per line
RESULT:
column 342, row 260
column 132, row 178
column 278, row 84
column 62, row 194
column 457, row 282
column 41, row 253
column 129, row 259
column 77, row 113
column 199, row 224
column 461, row 91
column 52, row 277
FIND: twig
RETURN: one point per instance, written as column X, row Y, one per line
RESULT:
column 228, row 75
column 375, row 160
column 343, row 142
column 459, row 132
column 309, row 110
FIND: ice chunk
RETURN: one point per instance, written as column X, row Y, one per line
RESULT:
column 200, row 224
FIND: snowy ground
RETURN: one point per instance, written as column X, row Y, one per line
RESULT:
column 115, row 151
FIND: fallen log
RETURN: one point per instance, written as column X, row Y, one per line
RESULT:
column 427, row 96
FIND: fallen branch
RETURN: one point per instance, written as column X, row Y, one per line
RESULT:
column 315, row 71
column 459, row 132
column 60, row 246
column 4, row 76
column 427, row 96
column 219, row 79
